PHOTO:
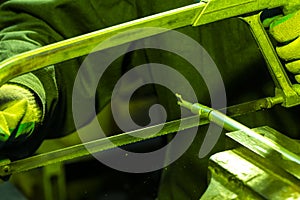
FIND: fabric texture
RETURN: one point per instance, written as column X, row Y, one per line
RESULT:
column 286, row 31
column 19, row 113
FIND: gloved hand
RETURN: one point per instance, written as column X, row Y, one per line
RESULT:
column 19, row 113
column 286, row 30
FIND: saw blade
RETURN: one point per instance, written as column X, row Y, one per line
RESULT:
column 85, row 149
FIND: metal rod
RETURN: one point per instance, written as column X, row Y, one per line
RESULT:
column 229, row 124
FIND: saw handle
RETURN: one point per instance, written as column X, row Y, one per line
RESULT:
column 283, row 86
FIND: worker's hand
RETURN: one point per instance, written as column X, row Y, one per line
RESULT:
column 286, row 30
column 19, row 113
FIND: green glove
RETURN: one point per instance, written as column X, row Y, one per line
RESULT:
column 19, row 113
column 286, row 30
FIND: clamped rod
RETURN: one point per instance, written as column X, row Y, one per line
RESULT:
column 229, row 124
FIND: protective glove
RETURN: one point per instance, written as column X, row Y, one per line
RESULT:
column 19, row 113
column 286, row 30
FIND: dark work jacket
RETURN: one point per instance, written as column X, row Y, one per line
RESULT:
column 27, row 25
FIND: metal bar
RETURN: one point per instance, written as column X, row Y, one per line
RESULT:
column 85, row 44
column 223, row 9
column 229, row 124
column 80, row 150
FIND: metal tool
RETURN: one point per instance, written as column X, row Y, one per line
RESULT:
column 77, row 151
column 195, row 15
column 284, row 87
column 265, row 165
column 253, row 170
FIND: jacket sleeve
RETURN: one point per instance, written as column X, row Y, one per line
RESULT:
column 21, row 31
column 30, row 24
